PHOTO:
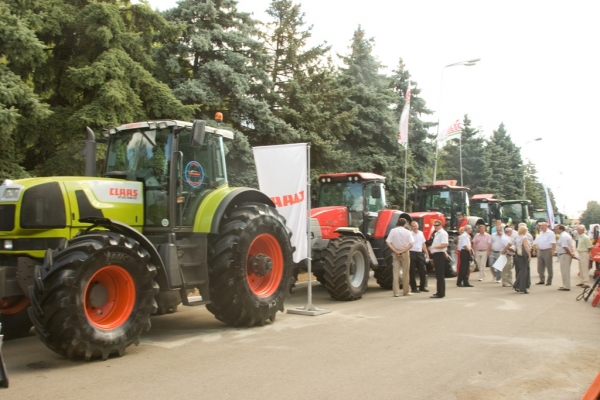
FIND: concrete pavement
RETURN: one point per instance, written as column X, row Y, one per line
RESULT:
column 485, row 342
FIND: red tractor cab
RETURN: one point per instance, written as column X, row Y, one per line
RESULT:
column 449, row 203
column 349, row 226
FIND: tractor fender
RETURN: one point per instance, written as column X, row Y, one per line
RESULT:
column 473, row 221
column 126, row 230
column 387, row 220
column 235, row 197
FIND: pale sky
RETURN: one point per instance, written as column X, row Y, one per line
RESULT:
column 538, row 71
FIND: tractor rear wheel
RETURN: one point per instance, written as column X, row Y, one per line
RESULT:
column 251, row 266
column 14, row 317
column 94, row 297
column 346, row 268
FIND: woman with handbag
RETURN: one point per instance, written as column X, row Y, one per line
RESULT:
column 521, row 259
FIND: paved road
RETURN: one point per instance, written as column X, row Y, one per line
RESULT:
column 486, row 342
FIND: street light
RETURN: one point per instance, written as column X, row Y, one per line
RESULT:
column 467, row 63
column 524, row 175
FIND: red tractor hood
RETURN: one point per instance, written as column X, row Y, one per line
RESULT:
column 330, row 218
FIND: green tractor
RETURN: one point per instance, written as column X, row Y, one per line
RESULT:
column 88, row 260
column 518, row 211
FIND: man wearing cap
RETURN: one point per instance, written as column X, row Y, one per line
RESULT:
column 438, row 255
column 545, row 244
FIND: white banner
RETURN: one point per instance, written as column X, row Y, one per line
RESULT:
column 549, row 209
column 282, row 176
column 452, row 132
column 403, row 127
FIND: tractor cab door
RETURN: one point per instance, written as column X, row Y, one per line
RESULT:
column 200, row 170
column 375, row 202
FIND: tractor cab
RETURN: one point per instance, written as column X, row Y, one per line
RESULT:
column 349, row 200
column 177, row 163
column 540, row 215
column 486, row 207
column 444, row 197
column 517, row 211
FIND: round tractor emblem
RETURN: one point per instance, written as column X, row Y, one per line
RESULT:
column 194, row 174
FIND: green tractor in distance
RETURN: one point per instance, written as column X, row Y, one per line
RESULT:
column 486, row 207
column 88, row 260
column 517, row 211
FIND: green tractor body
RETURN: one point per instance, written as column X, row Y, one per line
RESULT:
column 520, row 211
column 87, row 260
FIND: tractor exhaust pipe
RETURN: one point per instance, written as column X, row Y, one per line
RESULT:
column 89, row 152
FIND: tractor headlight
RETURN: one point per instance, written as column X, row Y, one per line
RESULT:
column 11, row 194
column 8, row 245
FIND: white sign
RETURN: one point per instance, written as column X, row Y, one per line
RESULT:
column 282, row 176
column 117, row 191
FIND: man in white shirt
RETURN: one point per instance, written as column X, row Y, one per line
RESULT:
column 418, row 252
column 495, row 245
column 400, row 240
column 564, row 252
column 438, row 256
column 509, row 251
column 545, row 244
column 464, row 245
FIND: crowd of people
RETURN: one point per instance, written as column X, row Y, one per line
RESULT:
column 508, row 248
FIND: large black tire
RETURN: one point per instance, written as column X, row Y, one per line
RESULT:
column 94, row 297
column 14, row 317
column 385, row 275
column 346, row 268
column 240, row 294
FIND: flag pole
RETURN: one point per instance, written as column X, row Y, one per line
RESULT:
column 460, row 157
column 405, row 169
column 309, row 308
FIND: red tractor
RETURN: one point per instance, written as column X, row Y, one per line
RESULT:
column 444, row 201
column 348, row 230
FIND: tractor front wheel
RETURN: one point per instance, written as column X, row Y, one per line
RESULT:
column 251, row 266
column 347, row 268
column 14, row 317
column 94, row 297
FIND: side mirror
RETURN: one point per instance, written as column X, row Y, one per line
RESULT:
column 376, row 191
column 198, row 133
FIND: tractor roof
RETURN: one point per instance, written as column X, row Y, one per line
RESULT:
column 485, row 198
column 152, row 124
column 448, row 185
column 516, row 201
column 344, row 176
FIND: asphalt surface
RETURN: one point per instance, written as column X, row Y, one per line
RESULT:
column 485, row 342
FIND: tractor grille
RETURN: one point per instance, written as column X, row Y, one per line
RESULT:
column 43, row 207
column 7, row 217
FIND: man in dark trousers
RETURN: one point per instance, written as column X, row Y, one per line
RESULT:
column 3, row 374
column 417, row 260
column 466, row 252
column 438, row 255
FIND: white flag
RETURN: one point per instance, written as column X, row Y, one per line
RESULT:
column 549, row 209
column 281, row 174
column 403, row 128
column 452, row 132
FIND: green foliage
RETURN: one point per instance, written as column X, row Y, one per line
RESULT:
column 97, row 73
column 534, row 190
column 591, row 215
column 505, row 164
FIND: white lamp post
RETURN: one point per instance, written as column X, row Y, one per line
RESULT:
column 467, row 63
column 525, row 175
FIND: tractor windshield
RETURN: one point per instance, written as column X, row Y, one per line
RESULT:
column 444, row 201
column 347, row 194
column 540, row 216
column 513, row 212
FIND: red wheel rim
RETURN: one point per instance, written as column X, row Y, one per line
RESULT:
column 265, row 286
column 109, row 297
column 13, row 304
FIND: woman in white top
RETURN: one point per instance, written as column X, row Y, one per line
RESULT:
column 522, row 257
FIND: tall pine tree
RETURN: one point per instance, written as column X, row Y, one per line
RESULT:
column 506, row 166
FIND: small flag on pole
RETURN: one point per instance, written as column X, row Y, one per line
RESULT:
column 452, row 132
column 403, row 128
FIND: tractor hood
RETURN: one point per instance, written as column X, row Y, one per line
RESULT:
column 330, row 218
column 50, row 208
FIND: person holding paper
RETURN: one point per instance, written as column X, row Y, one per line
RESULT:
column 522, row 257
